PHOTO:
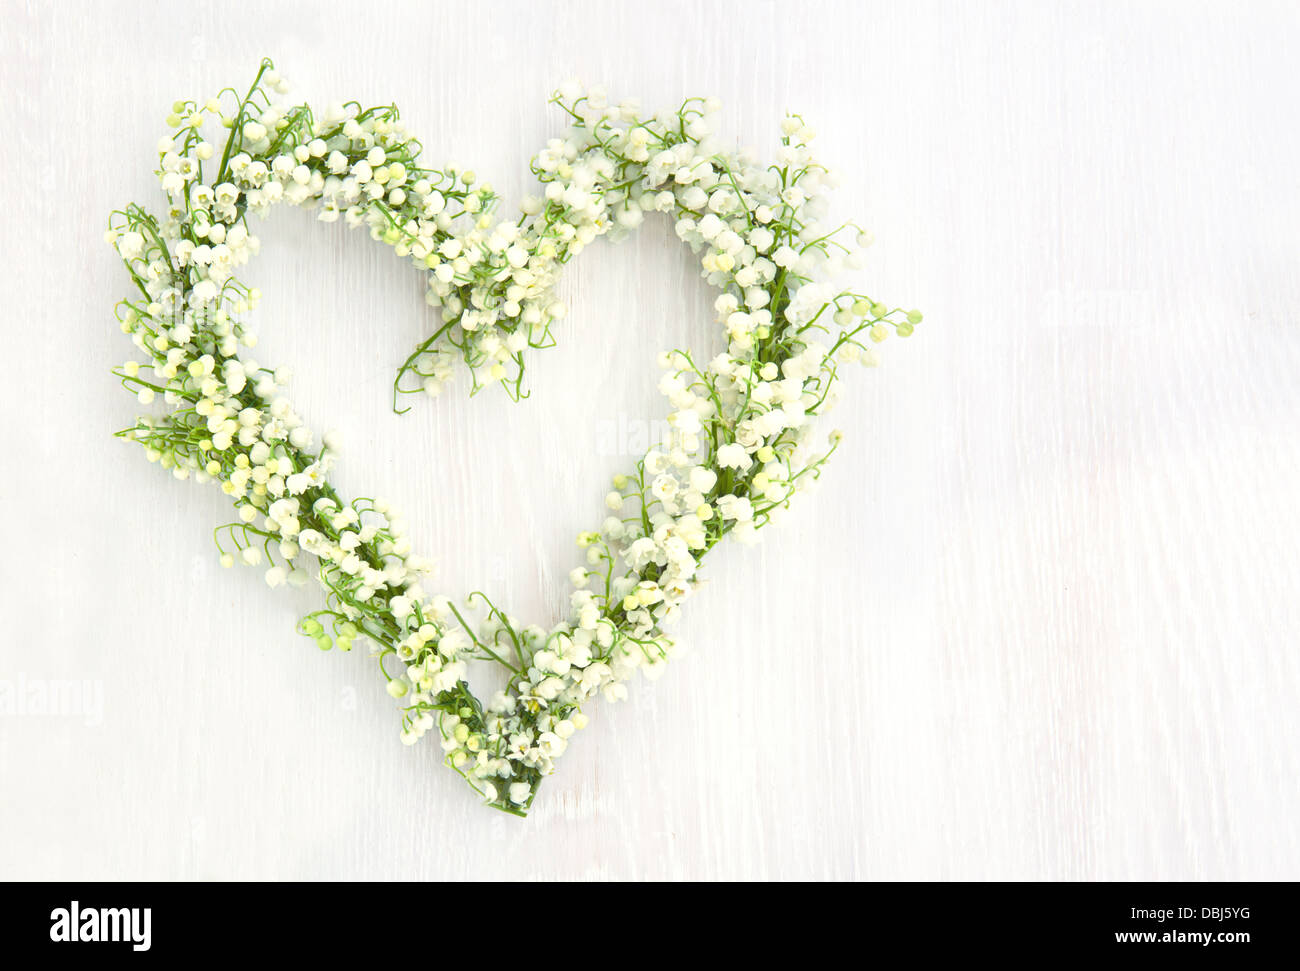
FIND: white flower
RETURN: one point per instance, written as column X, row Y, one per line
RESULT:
column 549, row 689
column 519, row 792
column 734, row 456
column 664, row 487
column 686, row 421
column 130, row 245
column 551, row 744
column 703, row 479
column 749, row 224
column 738, row 508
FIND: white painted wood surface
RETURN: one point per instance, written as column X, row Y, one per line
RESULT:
column 1040, row 621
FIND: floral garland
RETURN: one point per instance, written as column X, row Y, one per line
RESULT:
column 740, row 440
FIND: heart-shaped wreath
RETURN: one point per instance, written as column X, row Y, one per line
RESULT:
column 739, row 444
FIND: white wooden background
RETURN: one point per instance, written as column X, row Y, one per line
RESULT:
column 1040, row 621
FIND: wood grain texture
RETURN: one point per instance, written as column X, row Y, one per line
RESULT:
column 1040, row 621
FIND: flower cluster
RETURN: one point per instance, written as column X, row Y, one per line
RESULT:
column 741, row 439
